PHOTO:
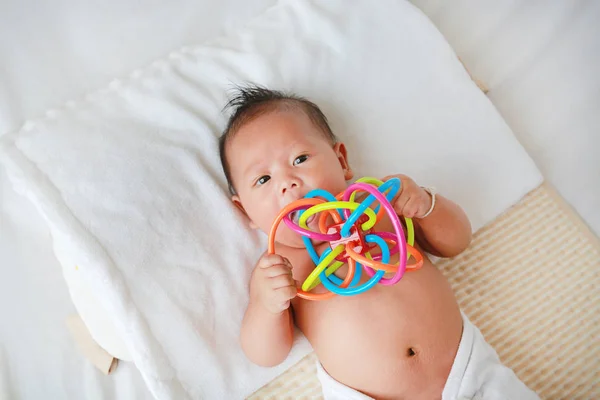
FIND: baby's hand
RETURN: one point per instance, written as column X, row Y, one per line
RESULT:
column 272, row 284
column 412, row 201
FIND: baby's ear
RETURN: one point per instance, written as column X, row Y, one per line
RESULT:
column 342, row 155
column 236, row 201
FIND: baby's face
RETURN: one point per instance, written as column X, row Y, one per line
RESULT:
column 278, row 158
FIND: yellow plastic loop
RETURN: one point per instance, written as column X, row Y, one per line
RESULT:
column 410, row 233
column 314, row 275
column 330, row 270
column 335, row 205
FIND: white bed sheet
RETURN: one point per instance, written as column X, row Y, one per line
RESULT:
column 38, row 357
column 52, row 51
column 540, row 60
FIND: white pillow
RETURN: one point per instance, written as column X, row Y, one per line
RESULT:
column 130, row 182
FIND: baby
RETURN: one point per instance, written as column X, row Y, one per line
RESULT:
column 406, row 341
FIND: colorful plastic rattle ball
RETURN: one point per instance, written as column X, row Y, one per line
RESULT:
column 348, row 227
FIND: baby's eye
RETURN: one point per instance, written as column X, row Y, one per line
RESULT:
column 263, row 179
column 300, row 159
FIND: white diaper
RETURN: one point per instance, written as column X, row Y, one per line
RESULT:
column 476, row 374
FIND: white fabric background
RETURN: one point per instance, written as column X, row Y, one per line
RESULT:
column 52, row 51
column 541, row 61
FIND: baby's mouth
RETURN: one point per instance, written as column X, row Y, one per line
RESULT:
column 295, row 217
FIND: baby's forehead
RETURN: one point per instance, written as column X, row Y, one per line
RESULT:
column 276, row 127
column 290, row 112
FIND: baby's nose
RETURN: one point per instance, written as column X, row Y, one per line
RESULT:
column 288, row 187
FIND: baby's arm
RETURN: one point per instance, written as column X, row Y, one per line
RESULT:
column 267, row 329
column 446, row 232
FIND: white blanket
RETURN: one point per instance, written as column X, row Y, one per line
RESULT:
column 130, row 183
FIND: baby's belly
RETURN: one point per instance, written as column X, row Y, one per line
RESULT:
column 390, row 342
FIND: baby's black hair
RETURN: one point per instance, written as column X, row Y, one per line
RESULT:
column 251, row 101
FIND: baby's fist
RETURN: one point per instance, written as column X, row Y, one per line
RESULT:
column 272, row 283
column 412, row 201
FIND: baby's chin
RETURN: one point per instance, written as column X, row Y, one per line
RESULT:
column 291, row 239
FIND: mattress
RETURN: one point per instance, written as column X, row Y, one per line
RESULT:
column 529, row 281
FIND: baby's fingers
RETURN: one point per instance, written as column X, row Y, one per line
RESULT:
column 412, row 208
column 282, row 296
column 281, row 281
column 277, row 270
column 401, row 203
column 269, row 260
column 286, row 292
